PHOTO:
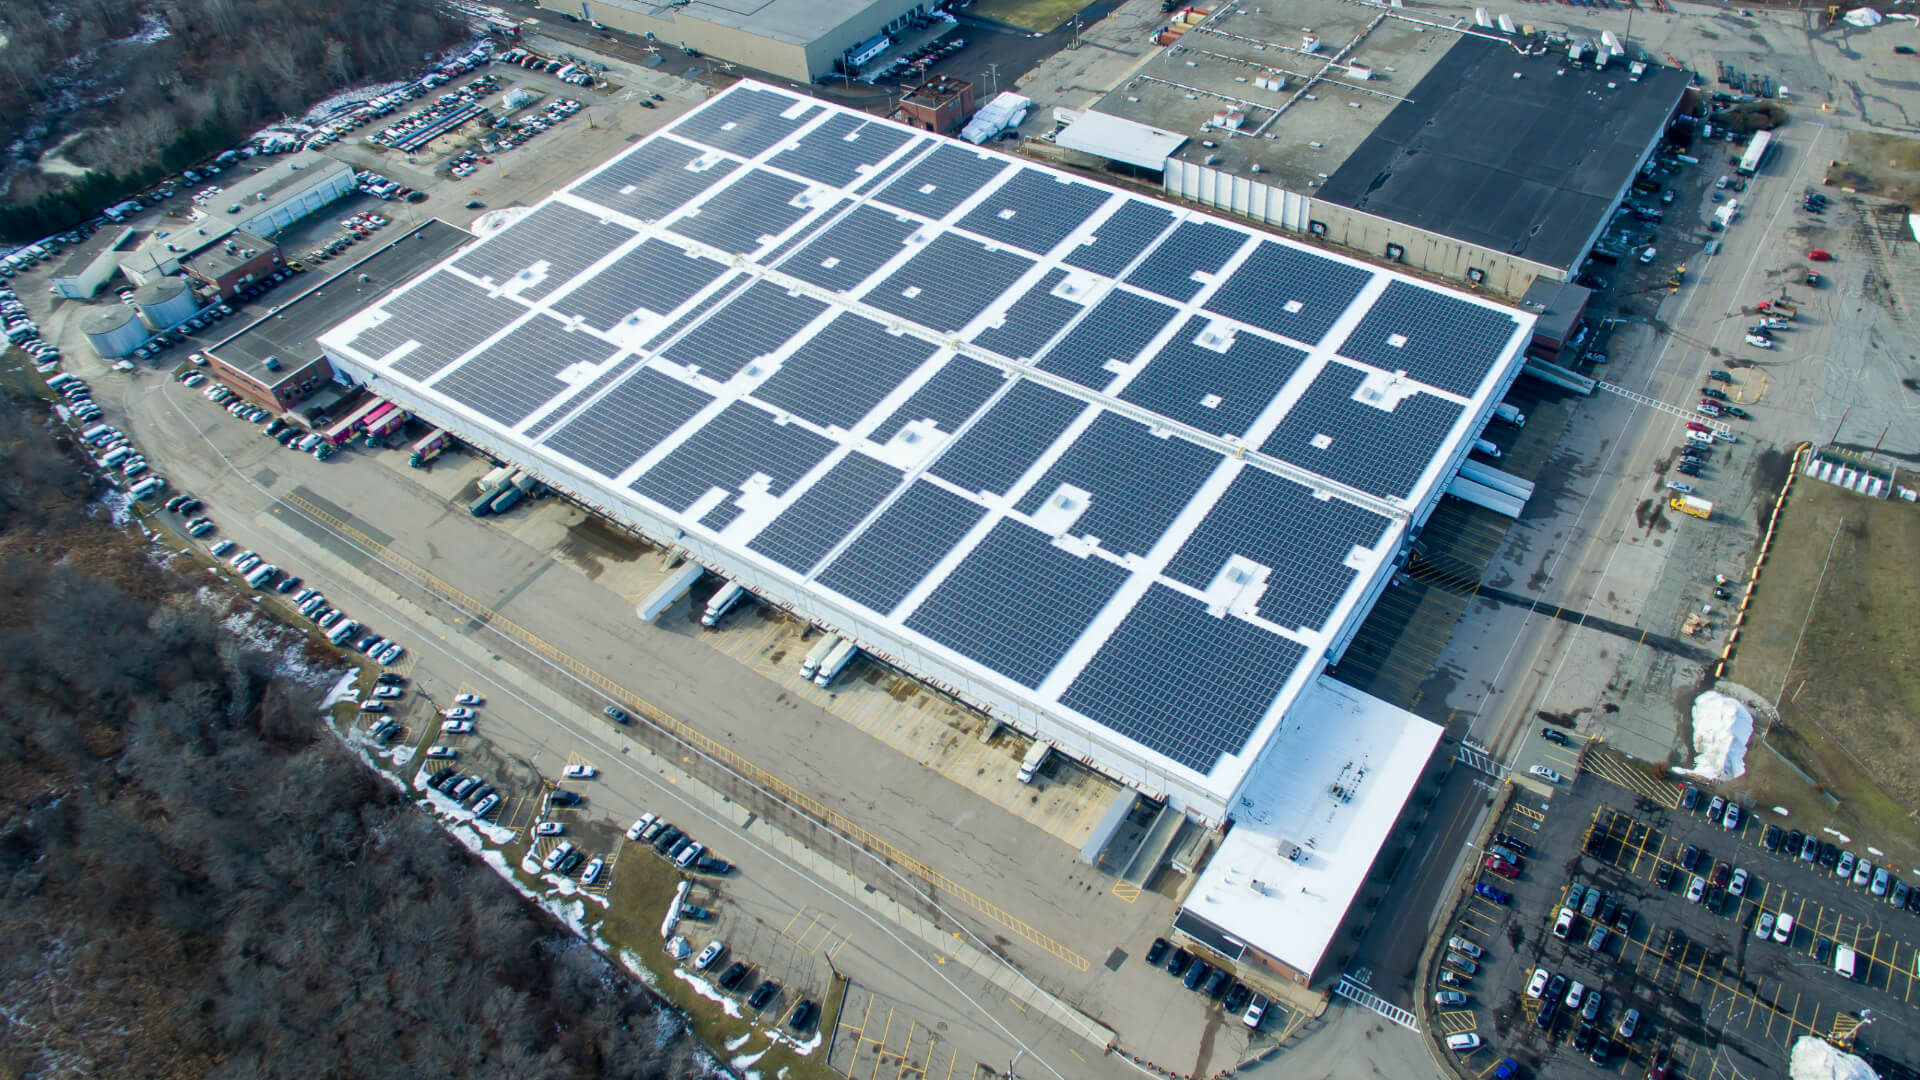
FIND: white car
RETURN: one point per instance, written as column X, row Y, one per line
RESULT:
column 578, row 772
column 457, row 727
column 1680, row 486
column 468, row 699
column 640, row 826
column 548, row 828
column 1759, row 342
column 480, row 808
column 389, row 653
column 1449, row 997
column 1463, row 1042
column 1537, row 986
column 708, row 955
column 388, row 691
column 1546, row 774
column 458, row 714
column 592, row 873
column 442, row 752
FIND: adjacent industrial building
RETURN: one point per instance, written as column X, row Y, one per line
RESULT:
column 1119, row 474
column 93, row 262
column 275, row 361
column 801, row 40
column 229, row 245
column 1474, row 153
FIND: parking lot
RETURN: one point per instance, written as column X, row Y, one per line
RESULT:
column 1711, row 995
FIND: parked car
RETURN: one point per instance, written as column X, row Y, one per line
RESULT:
column 572, row 772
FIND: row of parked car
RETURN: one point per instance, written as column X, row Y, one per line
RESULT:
column 1217, row 983
column 512, row 133
column 117, row 457
column 735, row 978
column 21, row 330
column 467, row 790
column 676, row 846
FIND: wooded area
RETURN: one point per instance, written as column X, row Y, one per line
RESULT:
column 157, row 86
column 199, row 881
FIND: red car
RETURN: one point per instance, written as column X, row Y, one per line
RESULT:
column 1695, row 425
column 1502, row 867
column 1820, row 255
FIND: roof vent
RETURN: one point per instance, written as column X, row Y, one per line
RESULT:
column 364, row 278
column 271, row 363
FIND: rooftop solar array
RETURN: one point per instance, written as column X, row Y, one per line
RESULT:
column 1111, row 464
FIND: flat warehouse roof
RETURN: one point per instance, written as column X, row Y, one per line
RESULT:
column 1115, row 470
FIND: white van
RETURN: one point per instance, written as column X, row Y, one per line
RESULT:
column 342, row 632
column 261, row 575
column 152, row 485
column 115, row 456
column 1843, row 962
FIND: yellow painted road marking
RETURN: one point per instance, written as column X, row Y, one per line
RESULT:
column 1458, row 1022
column 1126, row 890
column 713, row 749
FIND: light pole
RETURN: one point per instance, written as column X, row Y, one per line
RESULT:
column 993, row 72
column 1011, row 1075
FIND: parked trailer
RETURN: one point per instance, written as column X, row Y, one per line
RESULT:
column 482, row 503
column 338, row 434
column 429, row 448
column 835, row 663
column 1481, row 495
column 492, row 481
column 1511, row 415
column 811, row 662
column 1756, row 155
column 722, row 603
column 507, row 497
column 382, row 426
column 1497, row 480
column 673, row 588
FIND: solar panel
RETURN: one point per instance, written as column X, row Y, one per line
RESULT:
column 654, row 179
column 698, row 312
column 843, row 371
column 515, row 376
column 612, row 433
column 1006, row 441
column 1196, row 247
column 823, row 515
column 1136, row 482
column 1034, row 210
column 848, row 253
column 655, row 277
column 834, row 152
column 1032, row 320
column 549, row 248
column 614, row 373
column 1016, row 603
column 1120, row 239
column 1272, row 521
column 746, row 122
column 1114, row 332
column 942, row 180
column 728, row 450
column 1376, row 451
column 953, row 394
column 1442, row 341
column 890, row 556
column 951, row 281
column 1290, row 292
column 754, row 324
column 1183, row 683
column 437, row 321
column 746, row 214
column 1222, row 392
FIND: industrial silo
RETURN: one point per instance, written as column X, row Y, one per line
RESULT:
column 165, row 302
column 114, row 331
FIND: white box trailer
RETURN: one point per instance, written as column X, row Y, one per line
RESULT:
column 834, row 664
column 722, row 602
column 810, row 663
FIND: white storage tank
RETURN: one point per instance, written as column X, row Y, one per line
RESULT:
column 114, row 331
column 165, row 302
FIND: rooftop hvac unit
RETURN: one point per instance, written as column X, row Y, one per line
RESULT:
column 1310, row 44
column 271, row 363
column 1359, row 72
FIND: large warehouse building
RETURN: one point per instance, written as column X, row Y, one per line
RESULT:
column 1466, row 152
column 1119, row 474
column 803, row 40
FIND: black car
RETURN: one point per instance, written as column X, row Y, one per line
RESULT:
column 1602, row 1048
column 563, row 797
column 763, row 994
column 1820, row 948
column 1608, row 910
column 1554, row 736
column 696, row 913
column 1687, row 468
column 1583, row 1038
column 1676, row 944
column 1796, row 841
column 569, row 861
column 1913, row 901
column 735, row 974
column 1689, row 857
column 440, row 777
column 1736, row 412
column 679, row 846
column 1237, row 996
column 1157, row 951
column 1771, row 838
column 1623, row 921
column 617, row 715
column 1514, row 842
column 802, row 1017
column 287, row 584
column 668, row 837
column 1663, row 876
column 1689, row 797
column 388, row 678
column 1829, row 855
column 1197, row 974
column 477, row 794
column 1177, row 963
column 709, row 864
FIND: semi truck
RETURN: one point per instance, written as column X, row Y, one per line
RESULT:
column 429, row 448
column 721, row 603
column 811, row 662
column 1036, row 757
column 1688, row 504
column 835, row 663
column 1511, row 415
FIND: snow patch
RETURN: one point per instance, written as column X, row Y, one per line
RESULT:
column 1874, row 851
column 119, row 506
column 705, row 989
column 1815, row 1058
column 342, row 690
column 1721, row 728
column 737, row 1043
column 1783, row 811
column 152, row 30
column 745, row 1060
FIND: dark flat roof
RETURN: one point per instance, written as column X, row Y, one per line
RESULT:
column 216, row 261
column 288, row 331
column 1556, row 304
column 1526, row 166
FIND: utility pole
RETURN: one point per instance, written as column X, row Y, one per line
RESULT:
column 993, row 72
